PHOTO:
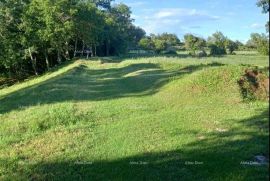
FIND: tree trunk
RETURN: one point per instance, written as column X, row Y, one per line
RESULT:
column 59, row 59
column 82, row 49
column 91, row 51
column 95, row 50
column 67, row 56
column 47, row 59
column 76, row 45
column 108, row 48
column 33, row 60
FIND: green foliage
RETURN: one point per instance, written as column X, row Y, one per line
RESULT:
column 36, row 35
column 260, row 42
column 231, row 46
column 135, row 34
column 202, row 53
column 264, row 4
column 216, row 50
column 146, row 43
column 10, row 35
column 193, row 43
column 159, row 43
column 217, row 44
column 169, row 52
column 170, row 39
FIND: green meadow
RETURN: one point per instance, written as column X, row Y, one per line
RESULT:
column 152, row 118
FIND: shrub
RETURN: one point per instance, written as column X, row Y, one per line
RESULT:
column 202, row 54
column 260, row 42
column 255, row 84
column 215, row 50
column 169, row 52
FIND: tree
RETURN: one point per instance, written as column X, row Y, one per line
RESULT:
column 159, row 45
column 59, row 24
column 38, row 34
column 117, row 23
column 89, row 23
column 52, row 25
column 260, row 42
column 10, row 33
column 193, row 43
column 239, row 43
column 146, row 43
column 170, row 39
column 135, row 34
column 231, row 46
column 105, row 4
column 264, row 4
column 217, row 44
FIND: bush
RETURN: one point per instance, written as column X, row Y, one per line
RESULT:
column 260, row 42
column 202, row 54
column 215, row 50
column 255, row 84
column 169, row 52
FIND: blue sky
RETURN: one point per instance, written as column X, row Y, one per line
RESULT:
column 237, row 19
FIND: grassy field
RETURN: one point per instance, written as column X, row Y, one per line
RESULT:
column 159, row 118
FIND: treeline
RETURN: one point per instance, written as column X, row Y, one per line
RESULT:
column 36, row 35
column 216, row 44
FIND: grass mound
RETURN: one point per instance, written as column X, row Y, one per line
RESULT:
column 135, row 119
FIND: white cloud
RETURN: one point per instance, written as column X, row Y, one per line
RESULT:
column 183, row 13
column 257, row 26
column 137, row 4
column 163, row 14
column 175, row 20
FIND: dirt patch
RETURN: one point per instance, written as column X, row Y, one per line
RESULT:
column 255, row 84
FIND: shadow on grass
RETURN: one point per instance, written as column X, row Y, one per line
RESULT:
column 118, row 59
column 85, row 84
column 218, row 157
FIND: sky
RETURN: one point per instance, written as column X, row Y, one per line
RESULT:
column 237, row 19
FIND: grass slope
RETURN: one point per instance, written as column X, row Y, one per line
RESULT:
column 143, row 119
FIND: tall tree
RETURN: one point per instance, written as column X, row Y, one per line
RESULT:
column 231, row 46
column 260, row 42
column 10, row 34
column 89, row 22
column 38, row 34
column 193, row 43
column 217, row 43
column 118, row 22
column 264, row 4
column 170, row 39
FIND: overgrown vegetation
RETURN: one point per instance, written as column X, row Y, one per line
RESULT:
column 39, row 34
column 255, row 84
column 159, row 43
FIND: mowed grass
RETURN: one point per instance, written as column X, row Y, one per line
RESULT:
column 136, row 119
